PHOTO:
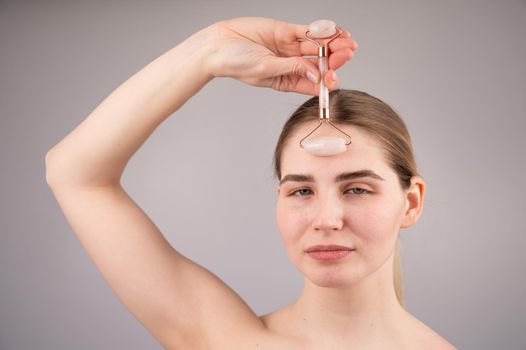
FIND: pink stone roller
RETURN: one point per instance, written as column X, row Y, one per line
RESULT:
column 328, row 145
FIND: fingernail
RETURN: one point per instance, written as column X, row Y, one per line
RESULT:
column 334, row 76
column 312, row 77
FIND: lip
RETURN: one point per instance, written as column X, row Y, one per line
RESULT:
column 325, row 248
column 329, row 254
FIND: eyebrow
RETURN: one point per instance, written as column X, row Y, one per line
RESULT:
column 340, row 177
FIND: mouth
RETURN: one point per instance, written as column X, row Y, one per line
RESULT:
column 328, row 248
column 328, row 255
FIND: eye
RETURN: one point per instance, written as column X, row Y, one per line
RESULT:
column 358, row 191
column 302, row 192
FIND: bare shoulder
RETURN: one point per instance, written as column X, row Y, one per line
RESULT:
column 416, row 334
column 422, row 336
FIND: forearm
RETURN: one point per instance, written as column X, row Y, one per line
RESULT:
column 96, row 152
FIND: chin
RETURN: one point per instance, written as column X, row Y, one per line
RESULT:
column 331, row 276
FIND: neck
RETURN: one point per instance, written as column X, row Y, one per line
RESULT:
column 368, row 309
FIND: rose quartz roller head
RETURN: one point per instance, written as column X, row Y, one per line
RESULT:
column 327, row 145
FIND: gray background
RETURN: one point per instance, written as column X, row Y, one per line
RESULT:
column 454, row 70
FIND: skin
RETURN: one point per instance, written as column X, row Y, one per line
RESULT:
column 350, row 301
column 181, row 303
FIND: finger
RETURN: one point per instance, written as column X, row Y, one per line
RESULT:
column 291, row 66
column 339, row 58
column 305, row 86
column 294, row 83
column 308, row 48
column 331, row 80
column 342, row 44
column 336, row 60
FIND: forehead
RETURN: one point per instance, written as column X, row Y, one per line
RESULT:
column 363, row 153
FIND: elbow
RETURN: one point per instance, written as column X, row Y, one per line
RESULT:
column 48, row 168
column 62, row 172
column 54, row 169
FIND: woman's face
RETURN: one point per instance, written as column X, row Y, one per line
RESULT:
column 364, row 213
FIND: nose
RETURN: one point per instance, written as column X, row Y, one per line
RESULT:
column 329, row 215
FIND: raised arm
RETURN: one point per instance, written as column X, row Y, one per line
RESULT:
column 97, row 151
column 181, row 303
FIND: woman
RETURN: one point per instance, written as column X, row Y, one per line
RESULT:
column 349, row 303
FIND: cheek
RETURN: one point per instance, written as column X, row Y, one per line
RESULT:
column 291, row 222
column 379, row 221
column 286, row 221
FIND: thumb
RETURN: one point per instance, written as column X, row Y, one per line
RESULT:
column 299, row 66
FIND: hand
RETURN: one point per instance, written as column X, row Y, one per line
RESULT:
column 266, row 52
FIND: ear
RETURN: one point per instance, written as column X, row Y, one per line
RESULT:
column 414, row 201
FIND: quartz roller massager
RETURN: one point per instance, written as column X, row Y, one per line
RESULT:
column 327, row 145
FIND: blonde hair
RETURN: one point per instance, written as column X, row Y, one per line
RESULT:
column 357, row 108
